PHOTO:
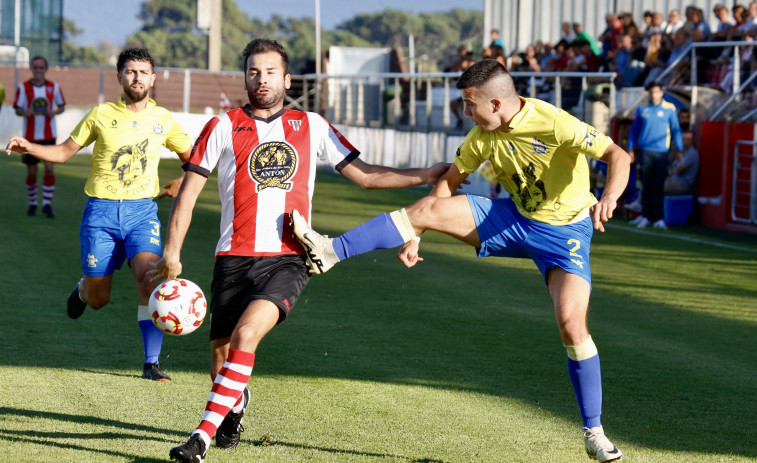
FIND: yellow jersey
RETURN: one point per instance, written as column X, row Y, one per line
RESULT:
column 541, row 161
column 127, row 148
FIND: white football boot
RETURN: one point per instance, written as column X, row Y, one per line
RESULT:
column 599, row 447
column 319, row 249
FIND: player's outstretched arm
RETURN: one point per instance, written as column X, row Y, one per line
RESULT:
column 618, row 167
column 371, row 176
column 169, row 266
column 51, row 153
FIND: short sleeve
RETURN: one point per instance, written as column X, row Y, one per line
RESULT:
column 580, row 137
column 86, row 131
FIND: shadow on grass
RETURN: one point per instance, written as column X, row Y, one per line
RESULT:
column 265, row 441
column 671, row 375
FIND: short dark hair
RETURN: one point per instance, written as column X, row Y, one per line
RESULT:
column 39, row 57
column 134, row 54
column 480, row 73
column 264, row 46
column 652, row 85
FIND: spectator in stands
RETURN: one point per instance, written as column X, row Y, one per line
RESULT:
column 658, row 22
column 683, row 171
column 725, row 21
column 629, row 25
column 559, row 60
column 655, row 124
column 675, row 22
column 610, row 36
column 581, row 35
column 648, row 22
column 496, row 41
column 567, row 33
column 684, row 118
column 695, row 20
column 548, row 55
column 656, row 57
column 628, row 61
column 460, row 64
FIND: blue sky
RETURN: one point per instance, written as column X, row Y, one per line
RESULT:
column 96, row 18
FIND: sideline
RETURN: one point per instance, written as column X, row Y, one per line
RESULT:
column 679, row 237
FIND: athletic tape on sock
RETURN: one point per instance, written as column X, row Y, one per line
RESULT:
column 583, row 351
column 402, row 222
column 143, row 313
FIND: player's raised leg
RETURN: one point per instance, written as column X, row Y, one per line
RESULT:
column 570, row 294
column 449, row 215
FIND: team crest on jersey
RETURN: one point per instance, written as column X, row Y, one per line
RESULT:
column 272, row 164
column 539, row 146
column 157, row 129
column 130, row 161
column 39, row 105
column 295, row 124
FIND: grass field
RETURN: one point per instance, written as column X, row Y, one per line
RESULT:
column 456, row 360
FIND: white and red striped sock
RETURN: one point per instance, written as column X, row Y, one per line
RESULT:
column 31, row 190
column 48, row 189
column 226, row 391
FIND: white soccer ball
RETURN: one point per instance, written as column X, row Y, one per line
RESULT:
column 178, row 306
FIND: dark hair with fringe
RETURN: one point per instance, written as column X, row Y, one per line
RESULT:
column 134, row 54
column 264, row 46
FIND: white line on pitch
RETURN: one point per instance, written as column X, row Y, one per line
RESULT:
column 679, row 237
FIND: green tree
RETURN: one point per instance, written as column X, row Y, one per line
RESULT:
column 72, row 53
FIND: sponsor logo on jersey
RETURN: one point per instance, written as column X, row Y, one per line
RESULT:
column 243, row 129
column 272, row 164
column 531, row 191
column 539, row 146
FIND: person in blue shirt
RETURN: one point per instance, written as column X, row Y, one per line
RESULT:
column 654, row 126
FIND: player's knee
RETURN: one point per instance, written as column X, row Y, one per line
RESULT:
column 422, row 210
column 97, row 301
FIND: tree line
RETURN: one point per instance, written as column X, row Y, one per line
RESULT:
column 169, row 31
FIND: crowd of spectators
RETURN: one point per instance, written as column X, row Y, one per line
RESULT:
column 641, row 54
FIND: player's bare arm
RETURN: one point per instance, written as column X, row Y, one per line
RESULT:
column 618, row 166
column 169, row 266
column 447, row 184
column 52, row 153
column 371, row 176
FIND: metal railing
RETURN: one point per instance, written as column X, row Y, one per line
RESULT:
column 347, row 102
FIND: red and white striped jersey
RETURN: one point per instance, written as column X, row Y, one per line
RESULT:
column 39, row 98
column 266, row 168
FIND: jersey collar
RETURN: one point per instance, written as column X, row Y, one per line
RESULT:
column 122, row 103
column 521, row 115
column 248, row 111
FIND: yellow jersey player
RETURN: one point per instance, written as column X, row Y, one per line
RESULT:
column 538, row 153
column 120, row 220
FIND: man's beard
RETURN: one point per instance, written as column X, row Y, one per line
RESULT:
column 271, row 100
column 134, row 96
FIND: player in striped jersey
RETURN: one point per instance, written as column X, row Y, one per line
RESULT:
column 265, row 157
column 38, row 101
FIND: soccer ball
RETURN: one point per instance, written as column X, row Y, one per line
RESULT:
column 178, row 306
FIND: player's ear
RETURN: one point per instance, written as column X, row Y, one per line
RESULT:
column 287, row 81
column 496, row 104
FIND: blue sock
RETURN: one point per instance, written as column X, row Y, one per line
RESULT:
column 586, row 377
column 378, row 233
column 152, row 338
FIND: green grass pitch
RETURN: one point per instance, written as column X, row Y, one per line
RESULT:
column 456, row 360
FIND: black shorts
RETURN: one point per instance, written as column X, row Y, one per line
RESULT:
column 29, row 159
column 237, row 281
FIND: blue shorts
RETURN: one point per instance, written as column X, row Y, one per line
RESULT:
column 504, row 232
column 112, row 231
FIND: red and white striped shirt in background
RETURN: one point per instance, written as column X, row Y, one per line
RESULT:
column 266, row 168
column 39, row 98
